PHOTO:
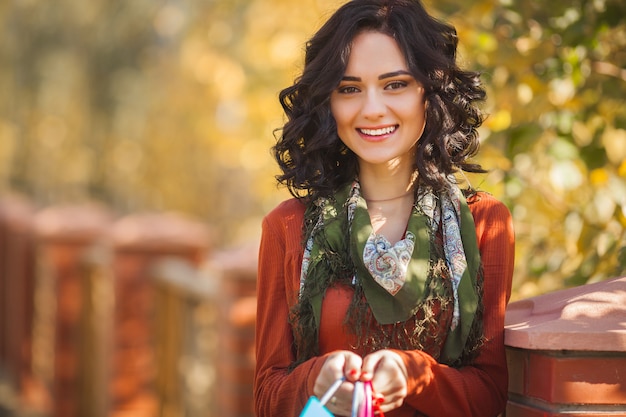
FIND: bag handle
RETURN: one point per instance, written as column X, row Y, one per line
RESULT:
column 362, row 401
column 357, row 399
column 363, row 404
column 368, row 410
column 332, row 390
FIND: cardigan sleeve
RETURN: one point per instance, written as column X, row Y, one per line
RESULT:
column 480, row 389
column 434, row 389
column 278, row 392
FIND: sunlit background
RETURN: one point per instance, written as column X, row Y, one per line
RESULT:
column 170, row 106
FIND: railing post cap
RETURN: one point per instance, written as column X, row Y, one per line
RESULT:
column 73, row 222
column 590, row 317
column 160, row 231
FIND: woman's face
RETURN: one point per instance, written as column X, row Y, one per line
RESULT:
column 378, row 106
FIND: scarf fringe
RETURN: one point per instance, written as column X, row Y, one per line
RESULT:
column 423, row 331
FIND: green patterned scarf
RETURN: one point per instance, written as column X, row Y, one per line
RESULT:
column 398, row 283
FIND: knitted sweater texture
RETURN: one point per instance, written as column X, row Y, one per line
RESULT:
column 434, row 389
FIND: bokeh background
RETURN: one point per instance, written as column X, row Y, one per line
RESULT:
column 171, row 105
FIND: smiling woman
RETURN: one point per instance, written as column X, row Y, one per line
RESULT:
column 381, row 270
column 379, row 108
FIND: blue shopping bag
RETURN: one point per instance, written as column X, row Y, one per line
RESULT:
column 315, row 407
column 362, row 402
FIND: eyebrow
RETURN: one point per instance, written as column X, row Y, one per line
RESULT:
column 380, row 77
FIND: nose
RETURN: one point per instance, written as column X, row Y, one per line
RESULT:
column 374, row 106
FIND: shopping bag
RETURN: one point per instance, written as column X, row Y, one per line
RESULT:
column 357, row 400
column 368, row 409
column 315, row 407
column 362, row 402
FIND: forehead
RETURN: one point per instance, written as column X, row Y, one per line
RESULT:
column 373, row 52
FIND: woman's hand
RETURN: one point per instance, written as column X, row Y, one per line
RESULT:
column 342, row 363
column 384, row 368
column 388, row 374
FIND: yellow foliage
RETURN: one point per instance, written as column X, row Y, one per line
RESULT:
column 614, row 141
column 599, row 177
column 499, row 121
column 169, row 107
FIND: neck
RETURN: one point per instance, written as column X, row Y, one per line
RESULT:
column 375, row 189
column 382, row 200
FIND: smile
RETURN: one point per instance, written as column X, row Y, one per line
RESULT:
column 378, row 132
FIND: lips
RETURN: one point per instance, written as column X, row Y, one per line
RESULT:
column 377, row 134
column 382, row 131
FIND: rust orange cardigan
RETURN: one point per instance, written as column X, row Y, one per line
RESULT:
column 478, row 390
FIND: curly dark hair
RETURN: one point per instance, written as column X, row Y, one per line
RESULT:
column 315, row 162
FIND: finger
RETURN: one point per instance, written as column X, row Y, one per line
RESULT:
column 370, row 364
column 352, row 367
column 383, row 362
column 330, row 393
column 341, row 402
column 388, row 378
column 336, row 363
column 334, row 368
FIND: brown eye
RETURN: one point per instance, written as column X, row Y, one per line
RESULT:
column 394, row 85
column 348, row 90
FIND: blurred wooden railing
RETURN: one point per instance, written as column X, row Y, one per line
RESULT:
column 185, row 339
column 140, row 317
column 17, row 282
column 113, row 317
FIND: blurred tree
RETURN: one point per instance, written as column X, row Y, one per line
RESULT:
column 148, row 105
column 555, row 137
column 171, row 105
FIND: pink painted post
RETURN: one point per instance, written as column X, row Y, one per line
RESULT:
column 567, row 352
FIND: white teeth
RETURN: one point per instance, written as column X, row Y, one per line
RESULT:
column 378, row 132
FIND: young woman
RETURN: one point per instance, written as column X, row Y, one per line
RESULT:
column 380, row 268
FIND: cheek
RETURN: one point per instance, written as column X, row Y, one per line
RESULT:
column 334, row 112
column 340, row 115
column 420, row 110
column 342, row 125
